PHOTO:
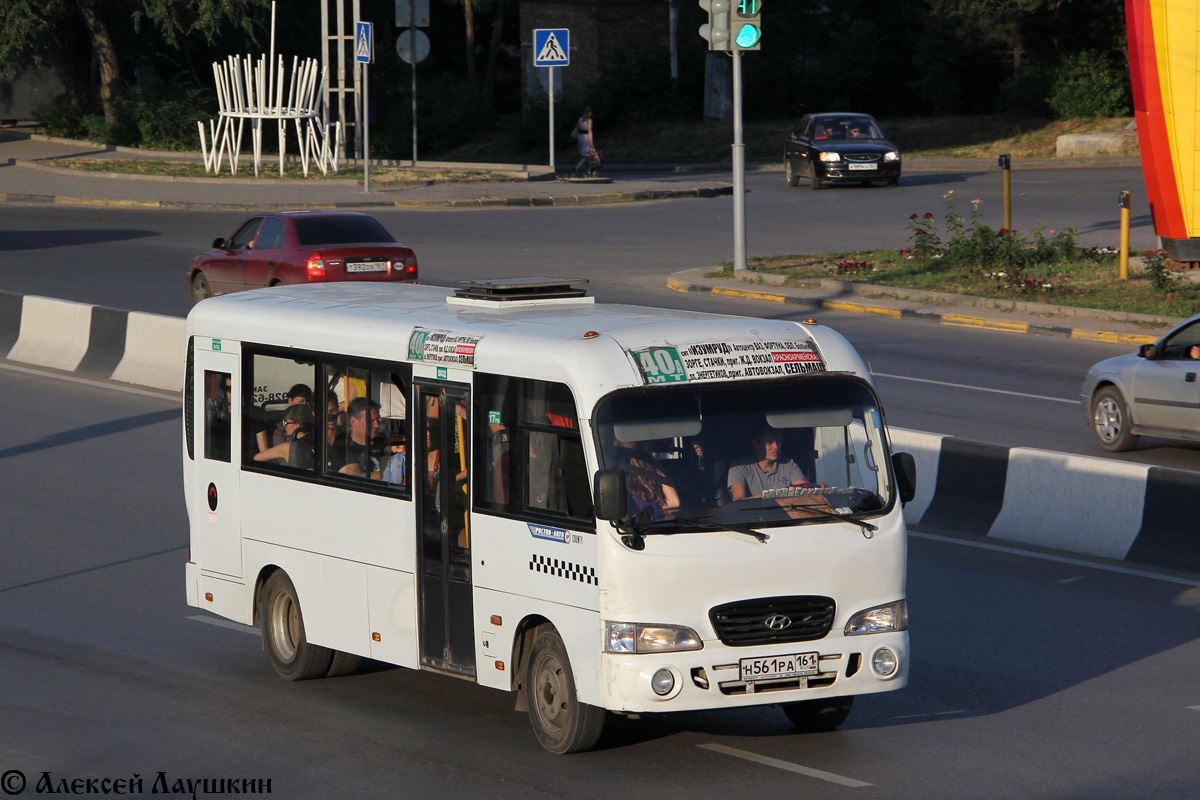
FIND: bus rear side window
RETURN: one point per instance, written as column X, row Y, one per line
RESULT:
column 218, row 430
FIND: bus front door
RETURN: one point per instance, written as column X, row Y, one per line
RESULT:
column 444, row 547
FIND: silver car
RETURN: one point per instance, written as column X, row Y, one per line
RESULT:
column 1154, row 392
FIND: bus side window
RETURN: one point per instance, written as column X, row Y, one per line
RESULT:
column 218, row 425
column 278, row 407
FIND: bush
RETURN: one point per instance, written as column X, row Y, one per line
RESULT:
column 1090, row 85
column 140, row 121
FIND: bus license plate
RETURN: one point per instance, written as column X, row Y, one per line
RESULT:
column 777, row 667
column 862, row 166
column 366, row 266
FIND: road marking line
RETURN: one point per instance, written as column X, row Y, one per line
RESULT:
column 785, row 765
column 100, row 384
column 1075, row 562
column 976, row 388
column 1194, row 708
column 224, row 623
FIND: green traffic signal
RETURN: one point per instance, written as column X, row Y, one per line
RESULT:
column 747, row 36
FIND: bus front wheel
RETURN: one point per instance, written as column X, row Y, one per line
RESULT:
column 283, row 633
column 813, row 716
column 561, row 723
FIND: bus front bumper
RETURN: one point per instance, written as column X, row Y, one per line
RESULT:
column 711, row 678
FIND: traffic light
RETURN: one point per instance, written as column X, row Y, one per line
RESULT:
column 717, row 29
column 747, row 25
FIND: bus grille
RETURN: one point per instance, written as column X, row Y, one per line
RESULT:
column 772, row 620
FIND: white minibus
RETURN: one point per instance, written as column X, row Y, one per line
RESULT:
column 603, row 509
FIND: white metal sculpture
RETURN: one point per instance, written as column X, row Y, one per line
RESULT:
column 258, row 93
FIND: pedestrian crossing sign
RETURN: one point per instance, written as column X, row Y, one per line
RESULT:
column 551, row 47
column 363, row 43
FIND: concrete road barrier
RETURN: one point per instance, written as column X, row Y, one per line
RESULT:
column 1094, row 506
column 128, row 346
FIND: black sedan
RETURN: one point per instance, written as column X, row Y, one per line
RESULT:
column 840, row 148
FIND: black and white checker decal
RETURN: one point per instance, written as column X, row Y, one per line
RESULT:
column 564, row 569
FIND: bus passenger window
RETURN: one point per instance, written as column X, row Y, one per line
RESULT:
column 278, row 409
column 218, row 425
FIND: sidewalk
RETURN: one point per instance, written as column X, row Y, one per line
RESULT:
column 26, row 177
column 964, row 311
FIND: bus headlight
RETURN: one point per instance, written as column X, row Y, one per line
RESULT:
column 630, row 637
column 880, row 619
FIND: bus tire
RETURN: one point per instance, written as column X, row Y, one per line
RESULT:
column 561, row 723
column 283, row 633
column 813, row 716
column 344, row 664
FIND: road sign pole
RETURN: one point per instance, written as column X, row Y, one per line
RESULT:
column 739, row 171
column 552, row 119
column 366, row 129
column 412, row 16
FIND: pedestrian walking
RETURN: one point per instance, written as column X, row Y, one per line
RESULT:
column 583, row 135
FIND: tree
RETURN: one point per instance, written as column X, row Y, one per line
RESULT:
column 28, row 25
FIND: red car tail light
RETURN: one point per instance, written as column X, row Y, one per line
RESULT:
column 315, row 268
column 410, row 265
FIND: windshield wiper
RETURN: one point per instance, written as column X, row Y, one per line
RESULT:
column 867, row 528
column 723, row 526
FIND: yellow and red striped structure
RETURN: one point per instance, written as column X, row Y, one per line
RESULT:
column 1164, row 43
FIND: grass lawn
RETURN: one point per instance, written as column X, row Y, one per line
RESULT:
column 1089, row 281
column 189, row 169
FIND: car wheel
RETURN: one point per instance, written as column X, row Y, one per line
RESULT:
column 790, row 173
column 283, row 633
column 1111, row 422
column 561, row 723
column 813, row 716
column 200, row 288
column 814, row 182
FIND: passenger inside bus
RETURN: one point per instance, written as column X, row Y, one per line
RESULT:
column 355, row 455
column 645, row 481
column 300, row 393
column 297, row 450
column 766, row 469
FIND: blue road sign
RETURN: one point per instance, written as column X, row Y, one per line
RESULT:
column 551, row 47
column 364, row 43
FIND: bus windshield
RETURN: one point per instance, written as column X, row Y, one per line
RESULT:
column 763, row 453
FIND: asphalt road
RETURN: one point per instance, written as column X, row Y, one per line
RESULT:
column 1014, row 390
column 1031, row 678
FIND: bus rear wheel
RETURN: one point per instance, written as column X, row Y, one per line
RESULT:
column 283, row 633
column 561, row 723
column 813, row 716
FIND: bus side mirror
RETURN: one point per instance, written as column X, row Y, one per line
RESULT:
column 1148, row 352
column 609, row 494
column 905, row 467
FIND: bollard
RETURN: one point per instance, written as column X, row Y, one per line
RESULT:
column 1123, row 201
column 1006, row 167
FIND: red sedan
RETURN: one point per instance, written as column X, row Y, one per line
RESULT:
column 301, row 247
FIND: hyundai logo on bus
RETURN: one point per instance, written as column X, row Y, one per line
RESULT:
column 778, row 622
